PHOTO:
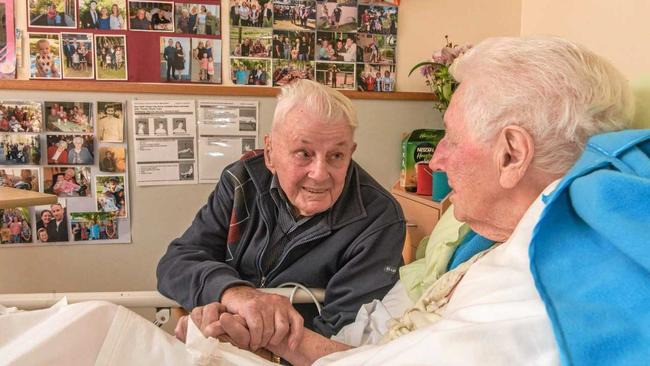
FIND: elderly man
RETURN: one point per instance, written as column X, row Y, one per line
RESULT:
column 525, row 110
column 303, row 212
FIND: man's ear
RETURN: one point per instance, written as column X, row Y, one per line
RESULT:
column 514, row 153
column 267, row 154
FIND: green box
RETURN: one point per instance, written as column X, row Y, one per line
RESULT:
column 417, row 146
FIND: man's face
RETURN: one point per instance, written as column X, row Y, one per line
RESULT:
column 311, row 159
column 141, row 14
column 170, row 42
column 57, row 211
column 470, row 167
column 93, row 6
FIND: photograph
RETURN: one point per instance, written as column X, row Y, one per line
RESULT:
column 70, row 149
column 294, row 15
column 380, row 78
column 332, row 46
column 376, row 49
column 8, row 41
column 110, row 58
column 18, row 149
column 246, row 71
column 88, row 226
column 161, row 126
column 186, row 171
column 247, row 119
column 44, row 56
column 26, row 179
column 175, row 59
column 379, row 2
column 250, row 42
column 377, row 19
column 110, row 121
column 142, row 126
column 180, row 126
column 16, row 226
column 157, row 16
column 52, row 222
column 69, row 117
column 20, row 117
column 110, row 194
column 52, row 13
column 337, row 75
column 337, row 16
column 289, row 45
column 286, row 71
column 247, row 145
column 112, row 159
column 251, row 13
column 78, row 51
column 198, row 19
column 67, row 182
column 185, row 148
column 206, row 60
column 102, row 14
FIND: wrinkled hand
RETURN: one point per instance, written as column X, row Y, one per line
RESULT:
column 206, row 319
column 269, row 318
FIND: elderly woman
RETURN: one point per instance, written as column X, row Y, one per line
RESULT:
column 58, row 153
column 79, row 154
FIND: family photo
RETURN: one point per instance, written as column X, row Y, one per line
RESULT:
column 67, row 182
column 337, row 16
column 44, row 56
column 250, row 42
column 112, row 159
column 378, row 19
column 16, row 227
column 294, row 15
column 52, row 13
column 52, row 223
column 110, row 58
column 78, row 51
column 87, row 226
column 250, row 71
column 102, row 14
column 336, row 75
column 198, row 19
column 174, row 59
column 251, row 13
column 332, row 46
column 110, row 194
column 155, row 16
column 379, row 78
column 26, row 179
column 290, row 45
column 376, row 49
column 69, row 116
column 18, row 149
column 286, row 71
column 206, row 60
column 20, row 117
column 70, row 149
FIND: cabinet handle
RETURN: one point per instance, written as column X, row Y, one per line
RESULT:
column 410, row 224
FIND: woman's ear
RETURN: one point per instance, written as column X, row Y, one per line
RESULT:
column 268, row 154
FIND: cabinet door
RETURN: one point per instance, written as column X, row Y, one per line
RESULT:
column 420, row 220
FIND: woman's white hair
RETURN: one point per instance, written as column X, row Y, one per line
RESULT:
column 317, row 100
column 560, row 92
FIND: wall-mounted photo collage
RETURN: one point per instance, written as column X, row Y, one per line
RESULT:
column 95, row 39
column 76, row 151
column 345, row 44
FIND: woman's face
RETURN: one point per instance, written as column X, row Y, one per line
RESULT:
column 115, row 10
column 46, row 217
column 104, row 11
column 178, row 46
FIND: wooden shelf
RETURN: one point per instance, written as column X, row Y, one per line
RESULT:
column 425, row 200
column 188, row 89
column 13, row 197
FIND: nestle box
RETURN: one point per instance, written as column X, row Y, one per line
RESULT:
column 418, row 146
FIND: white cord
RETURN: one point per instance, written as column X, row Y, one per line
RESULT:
column 297, row 286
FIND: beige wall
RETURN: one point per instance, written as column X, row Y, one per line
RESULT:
column 617, row 30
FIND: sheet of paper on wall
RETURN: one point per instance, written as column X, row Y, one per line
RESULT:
column 164, row 133
column 227, row 129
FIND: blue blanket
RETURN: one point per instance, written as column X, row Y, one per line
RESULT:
column 590, row 253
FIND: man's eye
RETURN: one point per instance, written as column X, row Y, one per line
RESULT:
column 337, row 156
column 302, row 154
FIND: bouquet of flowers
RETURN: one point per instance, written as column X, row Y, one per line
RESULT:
column 437, row 75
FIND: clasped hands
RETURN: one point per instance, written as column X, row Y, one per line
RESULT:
column 249, row 319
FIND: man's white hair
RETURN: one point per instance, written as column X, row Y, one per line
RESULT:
column 317, row 100
column 560, row 92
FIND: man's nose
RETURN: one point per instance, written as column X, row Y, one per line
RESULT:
column 437, row 161
column 318, row 169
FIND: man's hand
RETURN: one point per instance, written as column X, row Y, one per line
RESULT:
column 269, row 318
column 206, row 319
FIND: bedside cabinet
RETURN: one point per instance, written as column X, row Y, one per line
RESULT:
column 421, row 214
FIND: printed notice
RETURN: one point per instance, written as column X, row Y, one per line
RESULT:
column 165, row 142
